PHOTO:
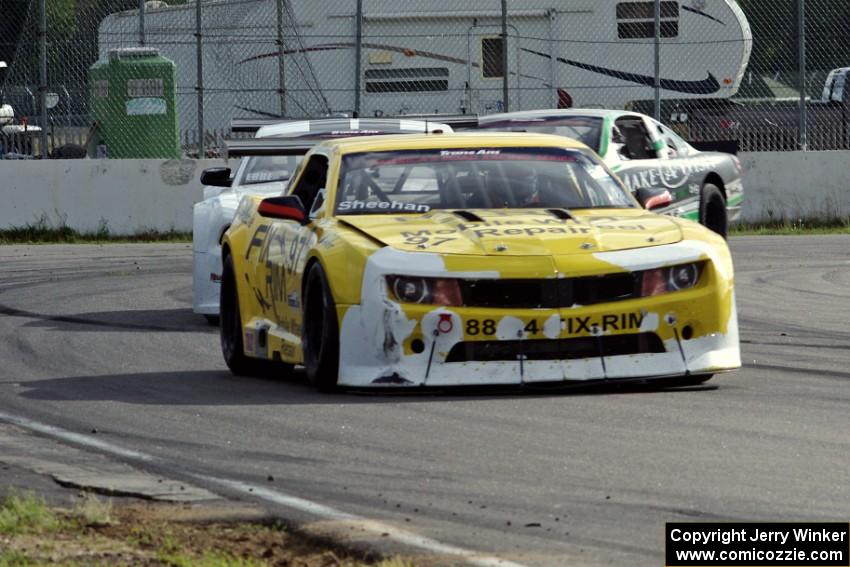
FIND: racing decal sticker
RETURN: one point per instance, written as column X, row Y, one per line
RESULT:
column 357, row 205
column 457, row 153
column 280, row 253
column 605, row 323
column 258, row 239
column 540, row 225
column 590, row 325
column 670, row 176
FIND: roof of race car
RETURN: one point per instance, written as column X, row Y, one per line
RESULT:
column 457, row 140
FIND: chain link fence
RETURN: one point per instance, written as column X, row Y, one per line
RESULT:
column 129, row 78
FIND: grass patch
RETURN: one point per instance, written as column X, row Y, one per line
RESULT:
column 208, row 560
column 13, row 559
column 45, row 231
column 94, row 532
column 798, row 227
column 27, row 513
column 92, row 511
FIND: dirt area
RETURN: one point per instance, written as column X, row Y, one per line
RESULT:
column 98, row 531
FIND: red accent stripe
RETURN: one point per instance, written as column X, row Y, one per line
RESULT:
column 280, row 210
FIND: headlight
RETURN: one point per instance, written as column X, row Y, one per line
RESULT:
column 675, row 278
column 682, row 277
column 429, row 291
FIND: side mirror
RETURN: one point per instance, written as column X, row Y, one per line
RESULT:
column 217, row 177
column 653, row 198
column 288, row 207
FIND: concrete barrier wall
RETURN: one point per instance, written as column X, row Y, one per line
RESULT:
column 125, row 196
column 796, row 185
column 129, row 196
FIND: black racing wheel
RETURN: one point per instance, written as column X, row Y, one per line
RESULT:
column 230, row 325
column 320, row 336
column 712, row 210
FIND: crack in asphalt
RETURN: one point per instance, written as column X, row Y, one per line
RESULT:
column 12, row 312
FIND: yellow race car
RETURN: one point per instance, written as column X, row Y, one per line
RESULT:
column 471, row 259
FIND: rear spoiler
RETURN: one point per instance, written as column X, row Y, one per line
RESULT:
column 251, row 125
column 270, row 147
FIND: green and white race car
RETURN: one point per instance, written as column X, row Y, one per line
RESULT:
column 645, row 154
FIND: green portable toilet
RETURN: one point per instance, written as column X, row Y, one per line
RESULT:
column 133, row 102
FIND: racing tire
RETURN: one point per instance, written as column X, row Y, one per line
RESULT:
column 320, row 337
column 712, row 210
column 230, row 329
column 231, row 323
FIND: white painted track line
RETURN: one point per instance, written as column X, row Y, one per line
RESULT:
column 322, row 511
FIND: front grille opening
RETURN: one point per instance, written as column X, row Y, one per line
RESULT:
column 533, row 294
column 556, row 349
column 614, row 287
column 549, row 293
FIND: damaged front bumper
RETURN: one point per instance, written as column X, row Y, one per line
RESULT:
column 384, row 343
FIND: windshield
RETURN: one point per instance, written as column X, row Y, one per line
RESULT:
column 584, row 129
column 417, row 181
column 266, row 169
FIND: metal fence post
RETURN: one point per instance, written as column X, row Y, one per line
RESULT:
column 505, row 73
column 281, row 69
column 142, row 23
column 200, row 77
column 657, row 112
column 551, row 15
column 358, row 54
column 42, row 88
column 804, row 118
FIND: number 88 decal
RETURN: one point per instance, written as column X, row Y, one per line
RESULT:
column 475, row 327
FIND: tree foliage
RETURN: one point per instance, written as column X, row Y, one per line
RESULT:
column 776, row 39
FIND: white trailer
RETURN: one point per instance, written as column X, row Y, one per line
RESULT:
column 440, row 56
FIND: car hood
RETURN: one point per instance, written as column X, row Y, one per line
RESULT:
column 519, row 233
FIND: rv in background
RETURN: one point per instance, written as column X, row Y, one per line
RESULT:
column 441, row 56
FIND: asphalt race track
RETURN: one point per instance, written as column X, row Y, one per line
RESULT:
column 103, row 337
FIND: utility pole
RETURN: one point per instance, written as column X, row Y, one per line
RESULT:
column 804, row 113
column 358, row 55
column 199, row 43
column 281, row 70
column 657, row 113
column 142, row 23
column 505, row 74
column 42, row 88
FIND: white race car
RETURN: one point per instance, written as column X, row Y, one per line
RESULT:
column 265, row 175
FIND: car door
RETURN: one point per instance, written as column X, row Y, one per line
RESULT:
column 282, row 262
